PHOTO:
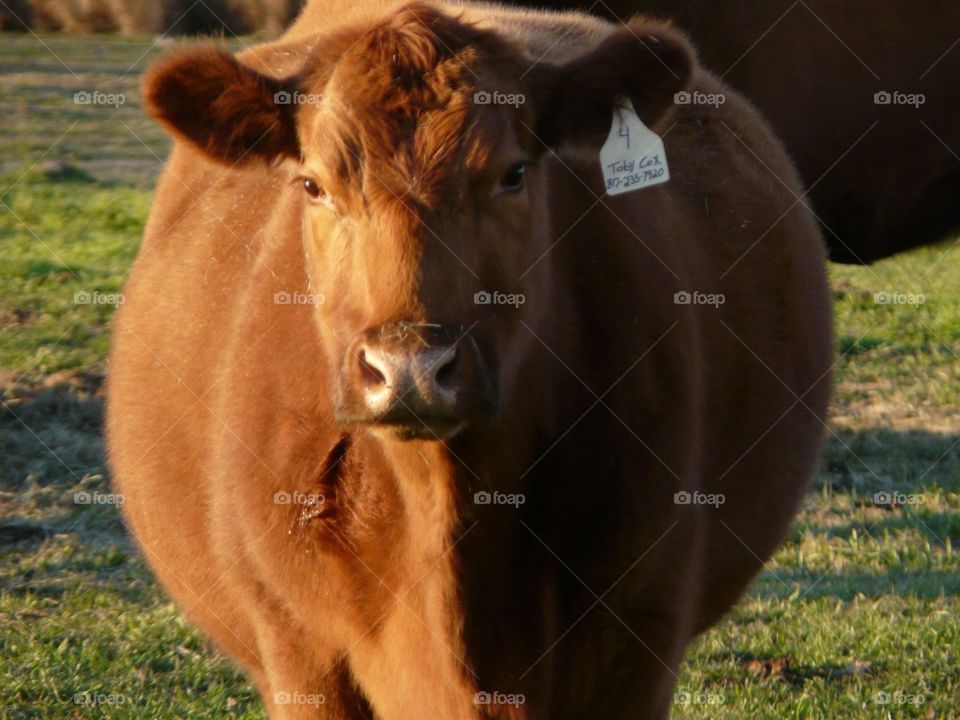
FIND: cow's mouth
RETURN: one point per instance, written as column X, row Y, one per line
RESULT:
column 423, row 429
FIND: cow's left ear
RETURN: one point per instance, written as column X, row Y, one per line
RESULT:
column 644, row 61
column 226, row 109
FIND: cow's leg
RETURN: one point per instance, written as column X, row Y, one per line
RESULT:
column 302, row 681
column 632, row 675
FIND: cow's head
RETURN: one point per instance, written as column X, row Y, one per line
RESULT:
column 418, row 145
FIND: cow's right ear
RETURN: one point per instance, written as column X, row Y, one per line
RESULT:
column 229, row 111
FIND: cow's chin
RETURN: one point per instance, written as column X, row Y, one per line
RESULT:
column 425, row 429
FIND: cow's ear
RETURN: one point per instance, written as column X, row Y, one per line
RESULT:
column 647, row 62
column 229, row 111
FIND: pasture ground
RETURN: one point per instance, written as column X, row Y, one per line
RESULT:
column 855, row 618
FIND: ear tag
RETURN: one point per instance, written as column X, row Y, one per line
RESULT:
column 633, row 157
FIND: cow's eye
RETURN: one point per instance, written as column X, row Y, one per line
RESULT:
column 313, row 189
column 512, row 179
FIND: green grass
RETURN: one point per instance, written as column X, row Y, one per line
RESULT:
column 67, row 245
column 859, row 605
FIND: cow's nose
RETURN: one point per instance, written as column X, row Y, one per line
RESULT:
column 422, row 381
column 431, row 374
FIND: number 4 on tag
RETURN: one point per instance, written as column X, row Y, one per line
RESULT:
column 633, row 157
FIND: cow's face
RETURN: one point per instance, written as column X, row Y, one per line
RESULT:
column 420, row 148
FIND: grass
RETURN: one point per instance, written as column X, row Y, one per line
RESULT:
column 855, row 618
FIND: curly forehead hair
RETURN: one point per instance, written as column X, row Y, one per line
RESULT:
column 401, row 114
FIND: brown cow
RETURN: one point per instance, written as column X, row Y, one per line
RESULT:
column 415, row 420
column 863, row 94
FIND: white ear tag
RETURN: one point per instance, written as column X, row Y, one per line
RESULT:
column 633, row 157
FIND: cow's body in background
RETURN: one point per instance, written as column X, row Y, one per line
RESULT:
column 657, row 400
column 863, row 94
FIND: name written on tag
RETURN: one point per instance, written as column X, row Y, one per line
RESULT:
column 633, row 156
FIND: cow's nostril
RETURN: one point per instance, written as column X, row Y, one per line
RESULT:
column 448, row 370
column 372, row 376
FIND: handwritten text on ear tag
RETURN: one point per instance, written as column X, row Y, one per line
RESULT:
column 633, row 157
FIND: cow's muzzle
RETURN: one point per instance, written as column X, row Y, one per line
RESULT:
column 418, row 381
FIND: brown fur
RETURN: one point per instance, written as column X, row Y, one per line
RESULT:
column 388, row 590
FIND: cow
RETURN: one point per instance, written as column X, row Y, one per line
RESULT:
column 418, row 410
column 862, row 94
